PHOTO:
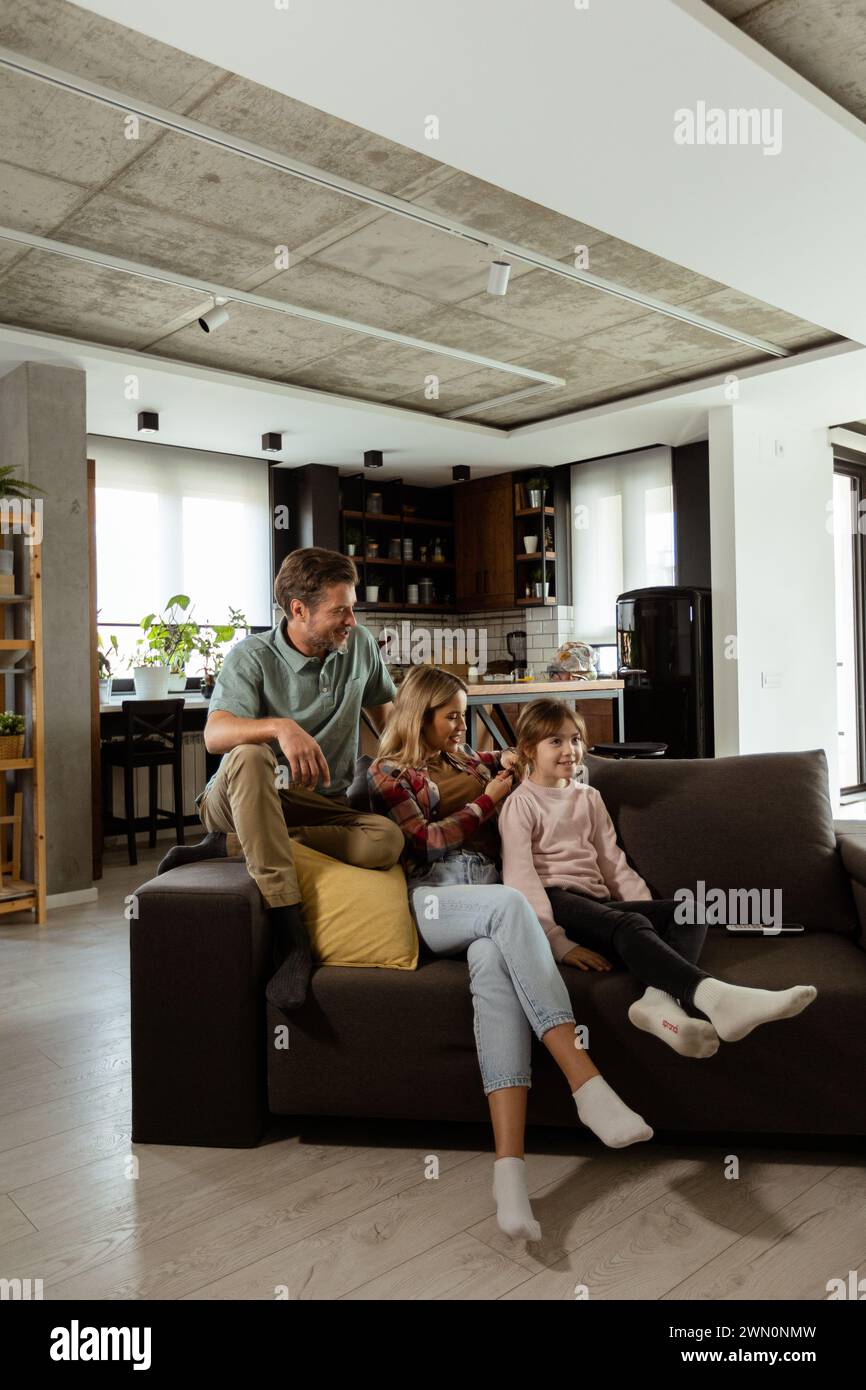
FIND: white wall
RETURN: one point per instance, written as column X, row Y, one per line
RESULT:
column 773, row 586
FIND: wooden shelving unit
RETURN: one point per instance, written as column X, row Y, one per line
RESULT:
column 22, row 781
column 395, row 523
column 539, row 521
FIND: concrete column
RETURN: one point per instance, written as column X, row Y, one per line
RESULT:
column 43, row 435
column 774, row 646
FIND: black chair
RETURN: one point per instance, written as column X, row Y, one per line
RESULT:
column 629, row 750
column 152, row 738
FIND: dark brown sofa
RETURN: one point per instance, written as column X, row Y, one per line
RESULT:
column 209, row 1067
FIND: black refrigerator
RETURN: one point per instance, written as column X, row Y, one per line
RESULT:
column 665, row 658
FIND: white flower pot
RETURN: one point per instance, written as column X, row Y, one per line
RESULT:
column 177, row 681
column 530, row 544
column 371, row 593
column 105, row 690
column 151, row 682
column 541, row 590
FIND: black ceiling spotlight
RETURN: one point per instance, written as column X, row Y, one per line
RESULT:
column 372, row 458
column 148, row 422
column 272, row 442
column 460, row 473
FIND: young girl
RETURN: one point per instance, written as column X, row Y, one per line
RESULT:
column 559, row 848
column 444, row 797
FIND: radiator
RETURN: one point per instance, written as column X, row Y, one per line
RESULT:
column 194, row 778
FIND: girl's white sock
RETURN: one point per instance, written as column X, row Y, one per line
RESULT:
column 735, row 1010
column 601, row 1110
column 659, row 1013
column 513, row 1212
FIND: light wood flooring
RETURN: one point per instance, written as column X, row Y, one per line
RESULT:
column 329, row 1209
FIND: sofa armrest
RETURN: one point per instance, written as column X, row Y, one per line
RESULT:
column 851, row 845
column 200, row 958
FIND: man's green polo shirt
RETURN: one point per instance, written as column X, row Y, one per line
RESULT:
column 265, row 677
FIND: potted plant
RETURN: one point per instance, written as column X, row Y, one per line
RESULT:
column 12, row 727
column 536, row 486
column 209, row 644
column 150, row 672
column 371, row 588
column 105, row 657
column 354, row 539
column 172, row 637
column 540, row 581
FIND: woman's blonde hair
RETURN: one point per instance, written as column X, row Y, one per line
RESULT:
column 422, row 691
column 543, row 719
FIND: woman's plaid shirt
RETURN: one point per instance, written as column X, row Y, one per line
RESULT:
column 411, row 798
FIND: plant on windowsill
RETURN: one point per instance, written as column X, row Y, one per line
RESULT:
column 105, row 656
column 12, row 730
column 172, row 636
column 209, row 644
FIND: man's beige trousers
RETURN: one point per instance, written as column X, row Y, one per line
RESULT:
column 246, row 801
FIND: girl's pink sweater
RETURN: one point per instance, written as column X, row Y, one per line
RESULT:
column 563, row 837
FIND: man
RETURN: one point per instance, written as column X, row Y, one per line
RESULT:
column 285, row 714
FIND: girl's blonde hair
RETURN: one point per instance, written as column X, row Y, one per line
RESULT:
column 422, row 691
column 542, row 719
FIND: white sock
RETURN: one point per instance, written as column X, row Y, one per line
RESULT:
column 659, row 1013
column 601, row 1110
column 513, row 1211
column 735, row 1010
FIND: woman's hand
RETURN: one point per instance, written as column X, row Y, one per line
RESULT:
column 499, row 786
column 585, row 959
column 508, row 760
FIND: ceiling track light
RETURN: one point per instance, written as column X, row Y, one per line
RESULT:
column 497, row 277
column 148, row 422
column 272, row 442
column 215, row 317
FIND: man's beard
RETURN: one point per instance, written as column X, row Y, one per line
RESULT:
column 327, row 642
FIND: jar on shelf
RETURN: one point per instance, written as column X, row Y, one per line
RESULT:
column 374, row 502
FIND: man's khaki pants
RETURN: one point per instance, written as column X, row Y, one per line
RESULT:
column 246, row 802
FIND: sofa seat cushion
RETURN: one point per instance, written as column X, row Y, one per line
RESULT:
column 385, row 1044
column 756, row 821
column 355, row 917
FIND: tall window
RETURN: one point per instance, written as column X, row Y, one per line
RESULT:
column 623, row 534
column 172, row 521
column 848, row 526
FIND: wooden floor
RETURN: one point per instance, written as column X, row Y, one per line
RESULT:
column 329, row 1209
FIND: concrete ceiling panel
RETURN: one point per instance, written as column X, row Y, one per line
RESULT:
column 554, row 307
column 32, row 203
column 652, row 343
column 315, row 285
column 85, row 301
column 156, row 237
column 455, row 326
column 495, row 210
column 210, row 186
column 640, row 270
column 397, row 251
column 67, row 37
column 383, row 370
column 255, row 341
column 737, row 310
column 564, row 400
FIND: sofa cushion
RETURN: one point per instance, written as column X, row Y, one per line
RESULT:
column 355, row 916
column 761, row 820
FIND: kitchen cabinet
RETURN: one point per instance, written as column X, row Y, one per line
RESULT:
column 484, row 543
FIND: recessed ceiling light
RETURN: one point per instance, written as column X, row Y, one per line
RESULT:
column 373, row 458
column 272, row 442
column 460, row 473
column 148, row 422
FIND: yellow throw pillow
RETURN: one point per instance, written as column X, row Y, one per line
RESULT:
column 355, row 916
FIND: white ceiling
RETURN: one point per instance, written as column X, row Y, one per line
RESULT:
column 574, row 109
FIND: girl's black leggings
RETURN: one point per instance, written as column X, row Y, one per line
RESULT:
column 642, row 936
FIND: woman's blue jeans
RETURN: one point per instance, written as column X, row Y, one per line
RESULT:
column 460, row 906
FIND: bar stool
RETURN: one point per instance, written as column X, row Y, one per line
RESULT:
column 629, row 750
column 152, row 738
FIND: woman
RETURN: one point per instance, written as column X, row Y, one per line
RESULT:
column 559, row 848
column 445, row 797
